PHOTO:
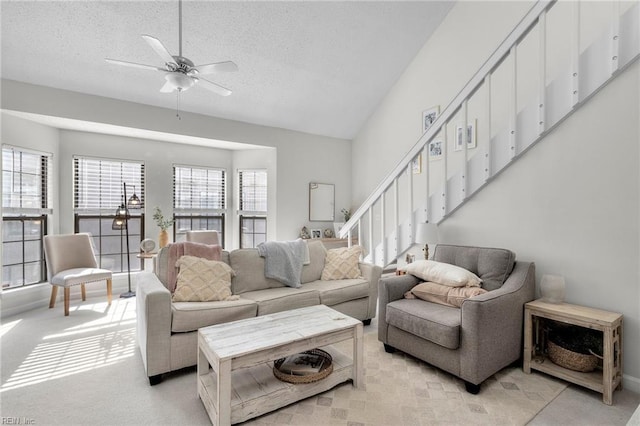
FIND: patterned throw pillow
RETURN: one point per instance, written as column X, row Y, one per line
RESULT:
column 202, row 280
column 442, row 294
column 342, row 263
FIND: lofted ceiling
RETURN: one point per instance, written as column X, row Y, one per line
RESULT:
column 318, row 67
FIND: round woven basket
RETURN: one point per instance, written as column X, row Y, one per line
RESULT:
column 325, row 370
column 571, row 360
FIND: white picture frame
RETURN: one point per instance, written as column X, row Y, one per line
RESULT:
column 471, row 136
column 429, row 116
column 416, row 165
column 435, row 149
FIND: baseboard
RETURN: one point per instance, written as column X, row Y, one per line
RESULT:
column 631, row 383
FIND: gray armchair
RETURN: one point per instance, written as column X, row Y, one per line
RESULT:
column 472, row 342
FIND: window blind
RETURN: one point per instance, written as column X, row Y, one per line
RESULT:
column 198, row 190
column 98, row 184
column 26, row 182
column 253, row 191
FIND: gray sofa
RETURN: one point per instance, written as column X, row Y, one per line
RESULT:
column 472, row 342
column 167, row 331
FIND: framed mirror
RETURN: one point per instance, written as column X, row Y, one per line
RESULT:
column 321, row 202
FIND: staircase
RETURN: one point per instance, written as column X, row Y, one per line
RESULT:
column 520, row 105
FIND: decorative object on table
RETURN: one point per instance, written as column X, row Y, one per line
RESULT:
column 416, row 164
column 552, row 288
column 435, row 150
column 426, row 233
column 409, row 258
column 120, row 222
column 328, row 233
column 305, row 367
column 574, row 347
column 316, row 233
column 163, row 224
column 470, row 136
column 304, row 233
column 147, row 245
column 429, row 116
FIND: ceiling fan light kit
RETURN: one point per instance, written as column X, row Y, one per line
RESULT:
column 180, row 73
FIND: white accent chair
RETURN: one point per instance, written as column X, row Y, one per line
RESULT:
column 203, row 237
column 71, row 261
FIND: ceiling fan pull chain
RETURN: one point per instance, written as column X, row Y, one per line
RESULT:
column 178, row 105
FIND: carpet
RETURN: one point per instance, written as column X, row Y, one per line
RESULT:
column 85, row 369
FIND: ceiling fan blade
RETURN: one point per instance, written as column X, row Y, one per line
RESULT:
column 167, row 88
column 133, row 65
column 227, row 66
column 159, row 49
column 216, row 88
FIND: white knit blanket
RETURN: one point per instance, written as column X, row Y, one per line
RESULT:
column 283, row 260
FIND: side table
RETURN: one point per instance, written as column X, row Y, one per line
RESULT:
column 603, row 380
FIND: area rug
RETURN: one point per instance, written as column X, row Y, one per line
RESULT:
column 86, row 369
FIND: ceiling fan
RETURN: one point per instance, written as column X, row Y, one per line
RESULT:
column 180, row 72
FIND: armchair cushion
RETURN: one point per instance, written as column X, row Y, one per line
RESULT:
column 77, row 276
column 437, row 323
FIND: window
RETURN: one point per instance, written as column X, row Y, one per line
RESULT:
column 98, row 191
column 253, row 207
column 25, row 205
column 199, row 196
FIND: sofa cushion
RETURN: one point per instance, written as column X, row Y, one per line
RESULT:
column 433, row 322
column 282, row 299
column 202, row 280
column 442, row 273
column 339, row 291
column 249, row 269
column 190, row 316
column 492, row 265
column 442, row 294
column 317, row 254
column 342, row 263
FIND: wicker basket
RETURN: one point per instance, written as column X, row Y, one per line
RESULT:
column 325, row 370
column 571, row 360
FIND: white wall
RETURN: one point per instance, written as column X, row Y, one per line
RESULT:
column 570, row 204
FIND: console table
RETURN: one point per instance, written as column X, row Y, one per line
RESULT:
column 603, row 380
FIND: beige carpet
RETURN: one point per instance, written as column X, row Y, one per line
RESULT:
column 85, row 369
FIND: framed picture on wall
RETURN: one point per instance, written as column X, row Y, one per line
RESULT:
column 316, row 233
column 471, row 136
column 416, row 164
column 429, row 116
column 435, row 150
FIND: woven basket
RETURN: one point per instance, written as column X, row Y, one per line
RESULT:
column 325, row 370
column 571, row 360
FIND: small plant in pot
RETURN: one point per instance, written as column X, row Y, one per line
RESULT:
column 164, row 225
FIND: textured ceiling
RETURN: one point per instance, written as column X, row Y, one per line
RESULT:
column 315, row 67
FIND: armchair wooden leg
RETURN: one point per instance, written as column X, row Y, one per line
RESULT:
column 54, row 295
column 83, row 290
column 109, row 290
column 67, row 292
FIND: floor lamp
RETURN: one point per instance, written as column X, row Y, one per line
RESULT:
column 120, row 222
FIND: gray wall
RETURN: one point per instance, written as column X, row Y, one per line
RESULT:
column 570, row 204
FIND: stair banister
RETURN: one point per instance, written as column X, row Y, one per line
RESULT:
column 530, row 19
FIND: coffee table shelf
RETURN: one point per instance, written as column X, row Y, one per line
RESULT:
column 235, row 360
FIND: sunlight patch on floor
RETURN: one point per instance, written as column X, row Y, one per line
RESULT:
column 5, row 328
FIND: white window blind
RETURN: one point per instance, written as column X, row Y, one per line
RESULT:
column 198, row 191
column 253, row 192
column 26, row 182
column 98, row 184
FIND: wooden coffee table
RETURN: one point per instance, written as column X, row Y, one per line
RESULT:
column 235, row 368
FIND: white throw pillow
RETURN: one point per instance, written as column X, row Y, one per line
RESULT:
column 442, row 273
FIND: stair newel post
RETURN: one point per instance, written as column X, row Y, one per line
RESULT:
column 396, row 216
column 513, row 121
column 487, row 155
column 445, row 152
column 372, row 247
column 575, row 54
column 383, row 223
column 465, row 144
column 542, row 72
column 410, row 226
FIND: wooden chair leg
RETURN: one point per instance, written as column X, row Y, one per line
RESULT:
column 109, row 290
column 54, row 295
column 67, row 292
column 83, row 290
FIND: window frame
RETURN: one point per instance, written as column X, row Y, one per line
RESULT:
column 247, row 214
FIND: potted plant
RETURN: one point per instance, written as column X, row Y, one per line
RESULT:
column 346, row 214
column 163, row 224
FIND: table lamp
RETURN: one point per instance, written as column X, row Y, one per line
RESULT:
column 426, row 233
